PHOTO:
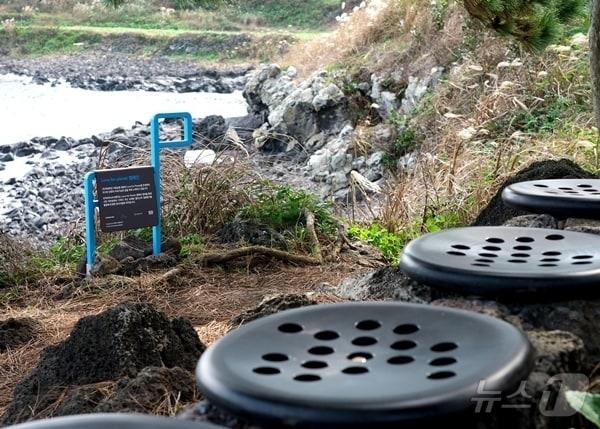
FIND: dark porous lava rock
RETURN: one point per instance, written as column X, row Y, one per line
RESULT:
column 16, row 332
column 153, row 391
column 497, row 213
column 119, row 342
column 386, row 283
column 272, row 305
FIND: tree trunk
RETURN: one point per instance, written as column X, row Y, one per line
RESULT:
column 595, row 57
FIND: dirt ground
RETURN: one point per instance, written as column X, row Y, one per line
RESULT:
column 208, row 297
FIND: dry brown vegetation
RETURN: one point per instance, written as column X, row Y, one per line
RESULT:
column 209, row 298
column 403, row 37
column 483, row 123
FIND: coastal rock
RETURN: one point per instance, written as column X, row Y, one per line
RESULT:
column 297, row 111
column 25, row 149
column 267, row 87
column 418, row 87
column 211, row 131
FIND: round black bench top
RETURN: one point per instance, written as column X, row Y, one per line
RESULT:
column 576, row 198
column 114, row 421
column 361, row 364
column 501, row 261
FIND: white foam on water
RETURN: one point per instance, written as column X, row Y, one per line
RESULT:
column 29, row 110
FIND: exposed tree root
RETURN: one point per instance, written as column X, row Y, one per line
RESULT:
column 221, row 258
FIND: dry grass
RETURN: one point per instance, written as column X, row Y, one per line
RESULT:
column 484, row 123
column 209, row 298
column 399, row 35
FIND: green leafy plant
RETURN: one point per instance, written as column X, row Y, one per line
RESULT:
column 587, row 404
column 190, row 244
column 283, row 208
column 390, row 245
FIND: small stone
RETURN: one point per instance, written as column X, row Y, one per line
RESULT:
column 7, row 157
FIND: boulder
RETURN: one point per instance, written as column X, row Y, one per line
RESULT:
column 497, row 213
column 296, row 111
column 332, row 164
column 26, row 149
column 7, row 157
column 267, row 87
column 211, row 131
column 384, row 284
column 119, row 342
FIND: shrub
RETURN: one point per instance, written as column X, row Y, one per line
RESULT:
column 283, row 209
column 390, row 245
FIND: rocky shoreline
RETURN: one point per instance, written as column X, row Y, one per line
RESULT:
column 102, row 70
column 297, row 132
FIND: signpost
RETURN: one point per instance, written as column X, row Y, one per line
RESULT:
column 129, row 198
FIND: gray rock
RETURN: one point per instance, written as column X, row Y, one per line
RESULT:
column 7, row 157
column 418, row 87
column 375, row 166
column 25, row 149
column 533, row 221
column 63, row 144
column 16, row 332
column 266, row 88
column 249, row 231
column 328, row 96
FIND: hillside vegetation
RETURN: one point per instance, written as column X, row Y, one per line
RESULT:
column 233, row 31
column 497, row 108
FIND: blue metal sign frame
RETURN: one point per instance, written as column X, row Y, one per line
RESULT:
column 155, row 147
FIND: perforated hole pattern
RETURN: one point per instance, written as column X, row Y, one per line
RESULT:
column 521, row 250
column 368, row 351
column 558, row 187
